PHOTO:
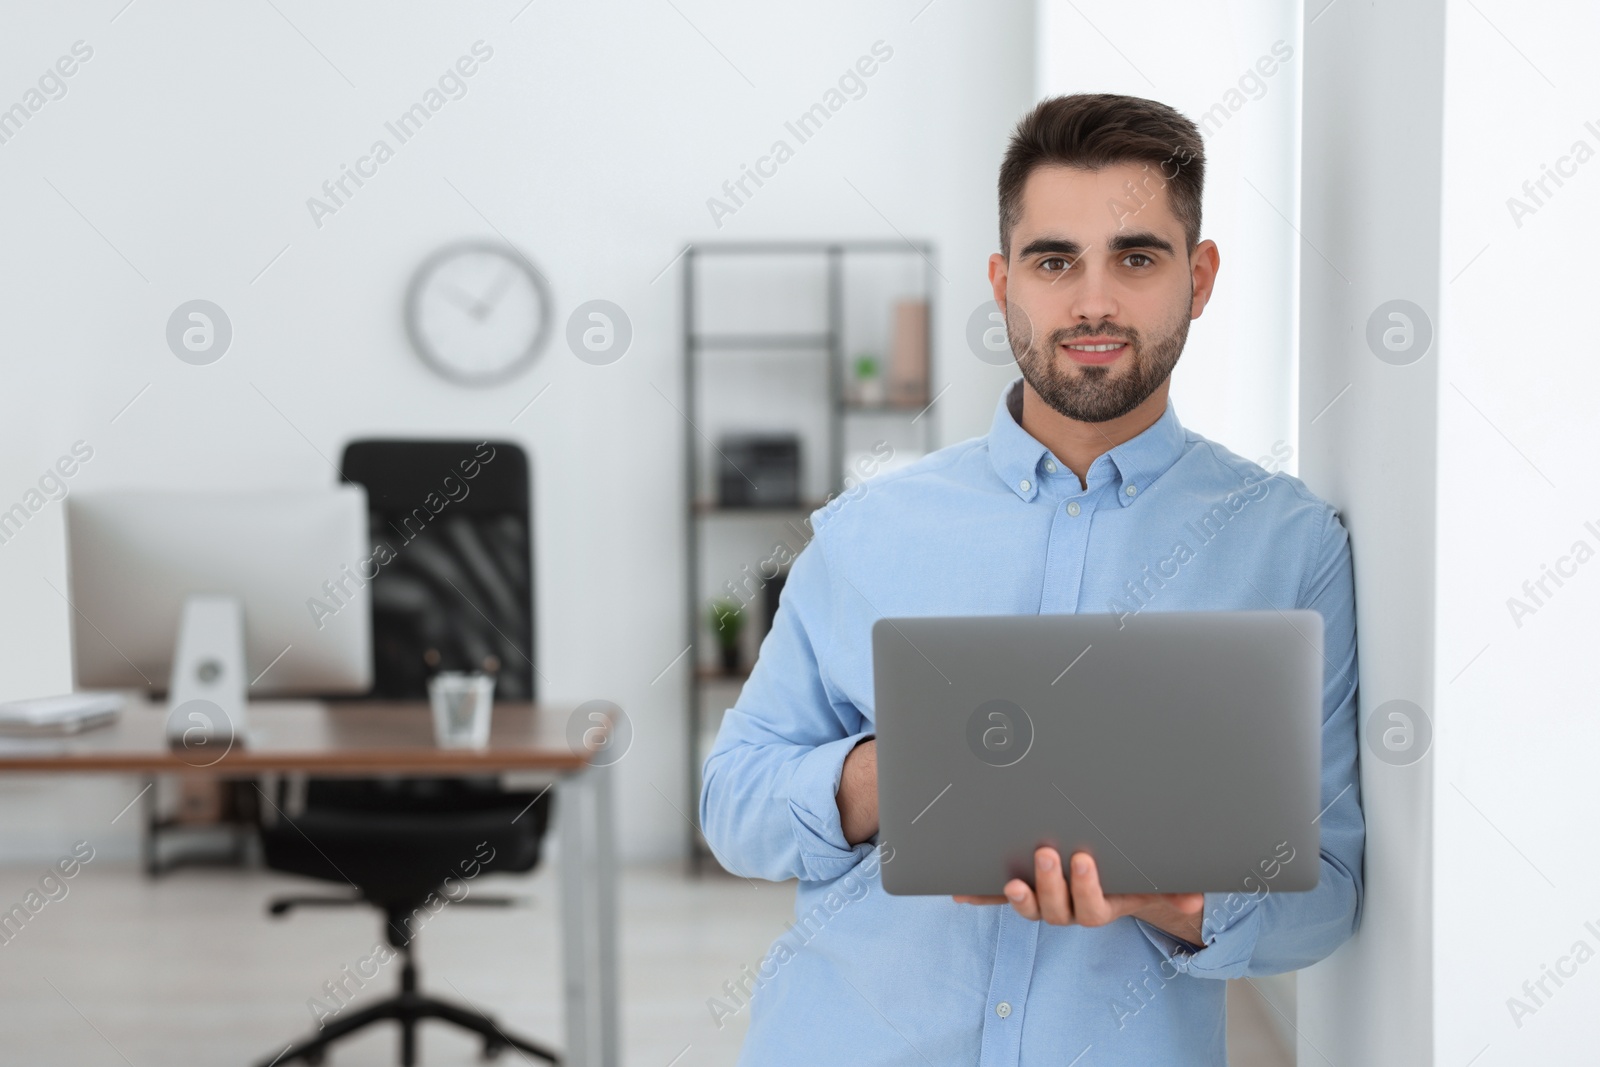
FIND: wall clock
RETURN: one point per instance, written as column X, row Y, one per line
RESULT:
column 478, row 313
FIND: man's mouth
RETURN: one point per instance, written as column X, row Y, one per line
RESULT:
column 1104, row 350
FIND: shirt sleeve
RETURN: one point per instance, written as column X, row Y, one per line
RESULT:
column 768, row 805
column 1262, row 932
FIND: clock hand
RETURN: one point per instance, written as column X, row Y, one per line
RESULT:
column 464, row 300
column 492, row 298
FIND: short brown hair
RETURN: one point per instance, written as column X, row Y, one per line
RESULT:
column 1097, row 130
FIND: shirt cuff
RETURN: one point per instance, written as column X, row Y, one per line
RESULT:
column 1229, row 934
column 814, row 806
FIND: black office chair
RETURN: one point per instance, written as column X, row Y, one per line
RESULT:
column 455, row 593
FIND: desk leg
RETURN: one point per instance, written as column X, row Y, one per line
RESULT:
column 589, row 918
column 148, row 845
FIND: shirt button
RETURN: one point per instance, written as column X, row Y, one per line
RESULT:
column 1132, row 489
column 1002, row 1009
column 1024, row 485
column 1050, row 465
column 1073, row 508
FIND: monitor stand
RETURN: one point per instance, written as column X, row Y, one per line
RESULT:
column 206, row 697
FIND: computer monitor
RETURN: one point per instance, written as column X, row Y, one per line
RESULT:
column 288, row 565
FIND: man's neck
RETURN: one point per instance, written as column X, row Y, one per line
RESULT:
column 1078, row 444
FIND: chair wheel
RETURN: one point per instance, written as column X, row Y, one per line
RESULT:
column 492, row 1050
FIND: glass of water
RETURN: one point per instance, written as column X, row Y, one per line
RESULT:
column 462, row 702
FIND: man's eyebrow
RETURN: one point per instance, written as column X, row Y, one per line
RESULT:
column 1140, row 239
column 1122, row 242
column 1058, row 245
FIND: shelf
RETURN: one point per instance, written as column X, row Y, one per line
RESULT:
column 713, row 674
column 711, row 507
column 888, row 407
column 823, row 346
column 761, row 340
column 773, row 248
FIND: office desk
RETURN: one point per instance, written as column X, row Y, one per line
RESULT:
column 368, row 737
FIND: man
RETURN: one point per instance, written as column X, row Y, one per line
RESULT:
column 1086, row 495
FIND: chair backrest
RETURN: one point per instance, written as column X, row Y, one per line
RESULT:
column 452, row 562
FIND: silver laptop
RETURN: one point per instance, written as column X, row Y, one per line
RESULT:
column 1181, row 749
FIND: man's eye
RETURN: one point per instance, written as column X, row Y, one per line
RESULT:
column 1054, row 263
column 1148, row 261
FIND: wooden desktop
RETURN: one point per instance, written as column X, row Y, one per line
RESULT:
column 347, row 738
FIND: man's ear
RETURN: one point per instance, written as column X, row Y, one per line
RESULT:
column 1204, row 265
column 997, row 279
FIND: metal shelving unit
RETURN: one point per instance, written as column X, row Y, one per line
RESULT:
column 828, row 348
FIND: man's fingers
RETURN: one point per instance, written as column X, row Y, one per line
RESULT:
column 1023, row 899
column 1089, row 904
column 1051, row 887
column 980, row 899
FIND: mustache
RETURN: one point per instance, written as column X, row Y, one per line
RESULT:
column 1066, row 336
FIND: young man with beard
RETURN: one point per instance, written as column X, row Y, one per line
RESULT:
column 1085, row 480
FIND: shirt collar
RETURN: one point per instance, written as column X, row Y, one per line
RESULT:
column 1135, row 464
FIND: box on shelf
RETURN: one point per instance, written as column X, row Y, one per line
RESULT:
column 908, row 354
column 758, row 470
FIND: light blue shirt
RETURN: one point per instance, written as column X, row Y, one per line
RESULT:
column 998, row 525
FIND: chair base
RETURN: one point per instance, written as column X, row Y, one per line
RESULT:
column 408, row 1009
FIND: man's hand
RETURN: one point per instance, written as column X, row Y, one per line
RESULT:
column 858, row 792
column 1075, row 897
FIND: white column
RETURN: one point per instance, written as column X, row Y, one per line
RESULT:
column 1371, row 158
column 1466, row 473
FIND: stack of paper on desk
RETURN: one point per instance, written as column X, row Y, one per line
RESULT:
column 67, row 714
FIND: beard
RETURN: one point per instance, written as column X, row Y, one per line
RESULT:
column 1089, row 393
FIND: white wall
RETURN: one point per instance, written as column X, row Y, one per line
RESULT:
column 1515, row 792
column 1236, row 381
column 178, row 165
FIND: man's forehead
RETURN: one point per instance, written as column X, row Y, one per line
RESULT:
column 1089, row 207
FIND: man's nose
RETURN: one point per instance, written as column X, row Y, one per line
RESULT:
column 1094, row 298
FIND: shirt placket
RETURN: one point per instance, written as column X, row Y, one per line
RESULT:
column 1005, row 1008
column 1065, row 553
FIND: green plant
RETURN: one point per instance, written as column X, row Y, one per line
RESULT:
column 727, row 621
column 866, row 366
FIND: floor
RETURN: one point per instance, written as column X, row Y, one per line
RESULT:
column 126, row 972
